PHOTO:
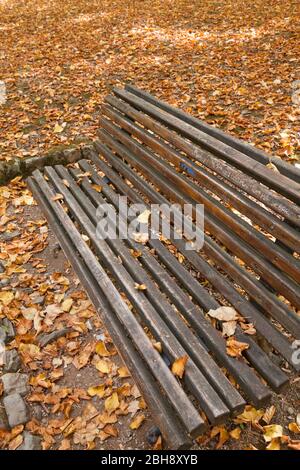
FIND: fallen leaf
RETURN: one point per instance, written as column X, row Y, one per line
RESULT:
column 235, row 348
column 123, row 372
column 101, row 349
column 98, row 390
column 112, row 403
column 272, row 431
column 16, row 442
column 83, row 357
column 178, row 366
column 269, row 413
column 224, row 314
column 67, row 304
column 250, row 415
column 228, row 328
column 144, row 217
column 103, row 366
column 58, row 128
column 274, row 444
column 97, row 188
column 133, row 407
column 294, row 445
column 293, row 427
column 136, row 423
column 140, row 237
column 140, row 286
column 6, row 297
column 223, row 435
column 235, row 433
column 158, row 444
column 248, row 328
column 65, row 444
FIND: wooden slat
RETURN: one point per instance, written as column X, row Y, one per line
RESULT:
column 279, row 183
column 258, row 214
column 172, row 430
column 195, row 381
column 274, row 376
column 242, row 146
column 232, row 174
column 189, row 341
column 277, row 340
column 284, row 315
column 185, row 410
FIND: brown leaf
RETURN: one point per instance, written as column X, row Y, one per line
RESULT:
column 16, row 442
column 269, row 413
column 178, row 366
column 83, row 357
column 294, row 445
column 65, row 444
column 293, row 427
column 235, row 348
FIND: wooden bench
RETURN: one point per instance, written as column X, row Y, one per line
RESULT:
column 154, row 153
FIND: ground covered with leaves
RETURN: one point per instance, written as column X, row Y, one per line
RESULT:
column 231, row 63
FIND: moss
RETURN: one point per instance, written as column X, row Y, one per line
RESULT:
column 60, row 154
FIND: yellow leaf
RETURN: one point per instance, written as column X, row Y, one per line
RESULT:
column 98, row 390
column 140, row 286
column 112, row 403
column 157, row 345
column 67, row 304
column 103, row 366
column 180, row 258
column 58, row 128
column 178, row 366
column 224, row 313
column 271, row 166
column 140, row 237
column 293, row 427
column 272, row 431
column 101, row 349
column 223, row 435
column 274, row 444
column 123, row 372
column 135, row 424
column 6, row 297
column 249, row 415
column 235, row 433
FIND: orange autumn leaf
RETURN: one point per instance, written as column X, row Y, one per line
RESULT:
column 136, row 422
column 235, row 348
column 178, row 366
